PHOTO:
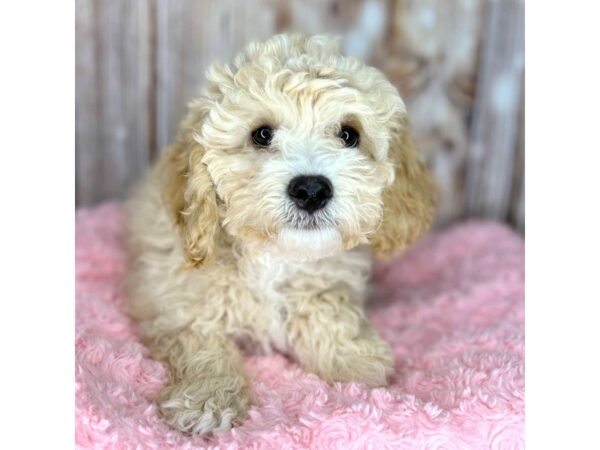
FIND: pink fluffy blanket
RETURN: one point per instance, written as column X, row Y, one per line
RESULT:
column 452, row 309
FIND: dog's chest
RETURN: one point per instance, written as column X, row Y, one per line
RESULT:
column 265, row 275
column 272, row 279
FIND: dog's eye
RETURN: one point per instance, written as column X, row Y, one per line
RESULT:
column 261, row 137
column 349, row 135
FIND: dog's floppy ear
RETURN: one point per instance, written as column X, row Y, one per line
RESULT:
column 190, row 195
column 408, row 204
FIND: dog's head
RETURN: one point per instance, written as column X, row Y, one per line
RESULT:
column 299, row 149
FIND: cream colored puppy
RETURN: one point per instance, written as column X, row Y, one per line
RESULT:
column 258, row 224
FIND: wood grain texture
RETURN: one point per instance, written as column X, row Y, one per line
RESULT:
column 321, row 16
column 433, row 52
column 496, row 112
column 517, row 201
column 112, row 97
column 87, row 129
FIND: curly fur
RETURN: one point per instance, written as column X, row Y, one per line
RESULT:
column 219, row 254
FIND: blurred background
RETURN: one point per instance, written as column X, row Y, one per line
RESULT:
column 457, row 63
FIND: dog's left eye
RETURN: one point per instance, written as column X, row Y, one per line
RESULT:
column 349, row 135
column 261, row 137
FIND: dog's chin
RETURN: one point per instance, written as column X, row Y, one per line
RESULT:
column 308, row 244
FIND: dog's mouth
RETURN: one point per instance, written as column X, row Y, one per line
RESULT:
column 315, row 221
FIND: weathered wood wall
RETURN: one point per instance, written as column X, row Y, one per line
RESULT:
column 457, row 63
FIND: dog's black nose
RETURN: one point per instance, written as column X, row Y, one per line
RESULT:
column 310, row 192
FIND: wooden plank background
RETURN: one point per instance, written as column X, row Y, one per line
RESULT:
column 458, row 64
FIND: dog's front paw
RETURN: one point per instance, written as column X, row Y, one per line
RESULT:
column 371, row 362
column 205, row 405
column 367, row 359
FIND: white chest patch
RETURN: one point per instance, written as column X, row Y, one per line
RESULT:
column 265, row 274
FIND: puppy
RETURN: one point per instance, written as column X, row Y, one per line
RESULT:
column 259, row 222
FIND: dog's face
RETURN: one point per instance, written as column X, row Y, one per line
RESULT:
column 302, row 151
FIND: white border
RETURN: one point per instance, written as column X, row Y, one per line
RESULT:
column 37, row 238
column 562, row 162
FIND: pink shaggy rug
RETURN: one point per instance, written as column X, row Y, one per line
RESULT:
column 452, row 308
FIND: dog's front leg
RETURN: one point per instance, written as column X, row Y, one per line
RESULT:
column 331, row 337
column 208, row 389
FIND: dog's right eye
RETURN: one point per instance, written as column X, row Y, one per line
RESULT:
column 261, row 137
column 350, row 136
